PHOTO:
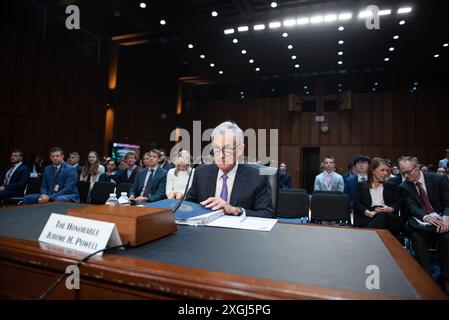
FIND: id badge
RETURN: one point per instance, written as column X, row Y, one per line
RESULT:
column 56, row 188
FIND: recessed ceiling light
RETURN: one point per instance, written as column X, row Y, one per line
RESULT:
column 190, row 46
column 316, row 19
column 289, row 47
column 341, row 28
column 376, row 83
column 339, row 84
column 229, row 31
column 214, row 13
column 330, row 17
column 339, row 90
column 289, row 22
column 259, row 27
column 220, row 72
column 241, row 92
column 235, row 40
column 416, row 83
column 302, row 20
column 445, row 45
column 143, row 5
column 212, row 65
column 202, row 56
column 163, row 22
column 340, row 42
column 251, row 61
column 387, row 59
column 243, row 51
column 340, row 53
column 436, row 55
column 374, row 89
column 242, row 28
column 391, row 49
column 340, row 62
column 414, row 88
column 274, row 4
column 402, row 22
column 274, row 24
column 404, row 10
column 257, row 69
column 307, row 92
column 296, row 65
column 285, row 34
column 243, row 97
column 293, row 57
column 396, row 37
column 305, row 87
column 345, row 16
column 273, row 90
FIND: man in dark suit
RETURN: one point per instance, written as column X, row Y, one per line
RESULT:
column 361, row 164
column 129, row 175
column 237, row 188
column 285, row 178
column 427, row 198
column 58, row 181
column 73, row 160
column 165, row 162
column 13, row 180
column 149, row 184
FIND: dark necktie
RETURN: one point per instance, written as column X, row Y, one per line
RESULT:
column 224, row 189
column 146, row 191
column 424, row 198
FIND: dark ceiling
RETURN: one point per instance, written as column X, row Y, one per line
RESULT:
column 315, row 46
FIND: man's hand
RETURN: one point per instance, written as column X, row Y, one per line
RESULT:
column 141, row 199
column 43, row 198
column 370, row 214
column 172, row 195
column 385, row 208
column 445, row 221
column 215, row 203
column 437, row 222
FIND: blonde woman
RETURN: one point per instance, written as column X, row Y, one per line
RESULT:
column 92, row 169
column 178, row 176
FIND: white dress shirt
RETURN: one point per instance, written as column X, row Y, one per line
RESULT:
column 13, row 168
column 377, row 195
column 229, row 182
column 178, row 183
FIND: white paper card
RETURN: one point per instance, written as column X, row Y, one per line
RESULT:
column 80, row 234
column 247, row 223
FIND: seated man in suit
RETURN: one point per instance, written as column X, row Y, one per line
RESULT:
column 361, row 164
column 14, row 180
column 285, row 178
column 165, row 162
column 150, row 183
column 58, row 181
column 235, row 187
column 329, row 180
column 427, row 199
column 73, row 160
column 129, row 175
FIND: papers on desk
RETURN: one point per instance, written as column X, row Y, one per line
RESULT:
column 247, row 223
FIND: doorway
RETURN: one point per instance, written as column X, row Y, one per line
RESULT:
column 310, row 166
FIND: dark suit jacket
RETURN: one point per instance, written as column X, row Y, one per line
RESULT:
column 167, row 165
column 285, row 180
column 158, row 182
column 124, row 176
column 17, row 182
column 67, row 180
column 350, row 187
column 79, row 169
column 363, row 201
column 251, row 191
column 396, row 180
column 437, row 190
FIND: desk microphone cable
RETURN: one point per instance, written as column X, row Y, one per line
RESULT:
column 80, row 262
column 185, row 192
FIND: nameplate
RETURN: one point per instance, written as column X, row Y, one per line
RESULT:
column 80, row 234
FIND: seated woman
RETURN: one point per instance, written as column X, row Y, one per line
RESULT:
column 178, row 176
column 111, row 174
column 377, row 201
column 92, row 169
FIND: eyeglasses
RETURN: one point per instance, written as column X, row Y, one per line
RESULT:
column 227, row 150
column 408, row 172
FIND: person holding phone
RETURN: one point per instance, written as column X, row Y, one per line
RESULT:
column 377, row 201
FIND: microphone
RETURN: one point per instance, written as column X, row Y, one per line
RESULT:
column 185, row 191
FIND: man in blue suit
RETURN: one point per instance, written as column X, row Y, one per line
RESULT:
column 149, row 185
column 14, row 180
column 361, row 164
column 285, row 178
column 58, row 181
column 237, row 188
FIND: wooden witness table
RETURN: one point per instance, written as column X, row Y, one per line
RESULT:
column 158, row 271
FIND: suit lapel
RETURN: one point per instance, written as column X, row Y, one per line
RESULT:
column 239, row 185
column 212, row 181
column 412, row 190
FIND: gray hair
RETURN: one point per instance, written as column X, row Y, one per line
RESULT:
column 413, row 160
column 229, row 127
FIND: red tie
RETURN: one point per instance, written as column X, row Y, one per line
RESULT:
column 425, row 199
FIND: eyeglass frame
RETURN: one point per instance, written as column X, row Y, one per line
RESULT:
column 408, row 172
column 226, row 151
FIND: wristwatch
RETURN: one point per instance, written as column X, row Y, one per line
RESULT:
column 240, row 210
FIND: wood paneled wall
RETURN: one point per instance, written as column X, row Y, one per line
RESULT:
column 386, row 124
column 49, row 96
